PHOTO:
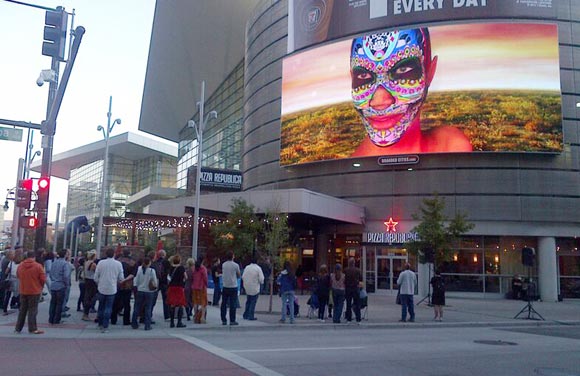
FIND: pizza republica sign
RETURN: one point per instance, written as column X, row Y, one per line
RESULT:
column 391, row 236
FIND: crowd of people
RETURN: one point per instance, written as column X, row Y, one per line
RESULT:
column 107, row 286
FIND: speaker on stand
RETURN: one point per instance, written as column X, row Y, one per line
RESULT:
column 529, row 260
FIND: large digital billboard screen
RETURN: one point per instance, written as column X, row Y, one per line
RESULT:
column 482, row 87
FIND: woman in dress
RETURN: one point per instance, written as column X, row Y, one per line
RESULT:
column 199, row 288
column 176, row 292
column 438, row 296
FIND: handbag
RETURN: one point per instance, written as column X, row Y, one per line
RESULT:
column 152, row 284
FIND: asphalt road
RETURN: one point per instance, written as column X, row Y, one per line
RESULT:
column 548, row 351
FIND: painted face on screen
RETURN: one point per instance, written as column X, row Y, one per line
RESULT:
column 389, row 83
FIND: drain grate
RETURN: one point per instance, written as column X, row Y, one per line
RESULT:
column 498, row 342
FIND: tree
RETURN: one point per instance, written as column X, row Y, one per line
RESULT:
column 275, row 233
column 239, row 232
column 436, row 231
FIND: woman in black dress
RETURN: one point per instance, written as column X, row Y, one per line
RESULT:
column 438, row 296
column 176, row 292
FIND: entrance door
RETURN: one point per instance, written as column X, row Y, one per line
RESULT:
column 387, row 271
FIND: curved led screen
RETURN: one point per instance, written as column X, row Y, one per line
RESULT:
column 485, row 87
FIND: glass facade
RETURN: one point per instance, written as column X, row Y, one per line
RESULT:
column 569, row 267
column 125, row 178
column 222, row 138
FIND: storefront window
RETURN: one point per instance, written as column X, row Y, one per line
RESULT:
column 568, row 251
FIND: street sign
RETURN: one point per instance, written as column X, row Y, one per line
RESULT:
column 10, row 134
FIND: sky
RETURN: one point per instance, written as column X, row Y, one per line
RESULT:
column 470, row 56
column 112, row 60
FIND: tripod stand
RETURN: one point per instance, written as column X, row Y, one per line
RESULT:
column 529, row 307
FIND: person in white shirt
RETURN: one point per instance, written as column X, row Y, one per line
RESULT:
column 253, row 278
column 407, row 282
column 230, row 275
column 108, row 274
column 146, row 283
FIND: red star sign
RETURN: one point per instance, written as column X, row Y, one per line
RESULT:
column 391, row 225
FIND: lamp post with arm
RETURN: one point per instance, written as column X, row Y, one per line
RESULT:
column 106, row 134
column 199, row 128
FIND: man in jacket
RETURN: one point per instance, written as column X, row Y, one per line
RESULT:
column 253, row 278
column 60, row 277
column 407, row 282
column 230, row 275
column 32, row 279
column 123, row 298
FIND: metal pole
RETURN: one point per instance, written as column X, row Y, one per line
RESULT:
column 72, row 235
column 56, row 223
column 65, row 233
column 104, row 180
column 199, row 131
column 16, row 211
column 77, row 241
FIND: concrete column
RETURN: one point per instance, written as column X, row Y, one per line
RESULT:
column 322, row 251
column 547, row 269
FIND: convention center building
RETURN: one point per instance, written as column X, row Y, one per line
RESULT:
column 347, row 115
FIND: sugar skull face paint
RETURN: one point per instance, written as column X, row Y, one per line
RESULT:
column 389, row 84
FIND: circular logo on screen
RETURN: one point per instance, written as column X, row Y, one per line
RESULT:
column 312, row 16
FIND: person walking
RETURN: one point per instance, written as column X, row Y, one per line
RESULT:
column 352, row 285
column 60, row 280
column 146, row 283
column 407, row 282
column 287, row 282
column 32, row 279
column 337, row 282
column 438, row 296
column 253, row 278
column 108, row 274
column 176, row 292
column 230, row 275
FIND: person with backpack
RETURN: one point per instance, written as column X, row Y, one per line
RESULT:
column 438, row 296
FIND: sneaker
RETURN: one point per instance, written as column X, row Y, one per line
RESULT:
column 224, row 323
column 234, row 323
column 321, row 320
column 282, row 321
column 104, row 330
column 402, row 320
column 37, row 332
column 182, row 325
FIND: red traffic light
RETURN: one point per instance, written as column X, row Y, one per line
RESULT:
column 26, row 184
column 43, row 183
column 28, row 221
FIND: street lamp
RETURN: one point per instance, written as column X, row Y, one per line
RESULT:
column 199, row 132
column 106, row 134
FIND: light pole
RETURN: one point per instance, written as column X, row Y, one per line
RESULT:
column 106, row 134
column 30, row 160
column 199, row 132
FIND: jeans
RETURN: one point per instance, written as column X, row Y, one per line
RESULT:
column 217, row 293
column 90, row 296
column 407, row 303
column 122, row 302
column 143, row 303
column 81, row 299
column 251, row 301
column 56, row 304
column 288, row 305
column 338, row 298
column 105, row 309
column 28, row 306
column 322, row 303
column 66, row 296
column 352, row 303
column 229, row 298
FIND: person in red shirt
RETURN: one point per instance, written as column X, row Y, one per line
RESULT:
column 32, row 278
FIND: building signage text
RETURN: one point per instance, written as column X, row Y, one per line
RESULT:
column 389, row 237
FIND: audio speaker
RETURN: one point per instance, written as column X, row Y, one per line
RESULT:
column 528, row 256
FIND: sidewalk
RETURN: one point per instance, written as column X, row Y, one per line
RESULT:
column 382, row 311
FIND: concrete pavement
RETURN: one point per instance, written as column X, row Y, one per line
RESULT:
column 78, row 348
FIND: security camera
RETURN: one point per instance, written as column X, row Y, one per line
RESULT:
column 46, row 75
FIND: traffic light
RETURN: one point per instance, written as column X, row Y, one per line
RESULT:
column 43, row 189
column 24, row 194
column 55, row 33
column 28, row 221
